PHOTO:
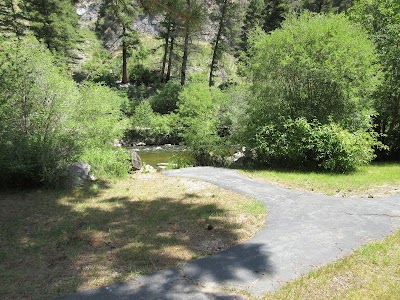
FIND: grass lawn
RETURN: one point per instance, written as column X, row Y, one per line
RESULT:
column 54, row 243
column 375, row 180
column 372, row 272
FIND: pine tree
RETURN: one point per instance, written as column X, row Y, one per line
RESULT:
column 193, row 16
column 10, row 18
column 228, row 19
column 54, row 22
column 118, row 16
column 254, row 17
column 274, row 11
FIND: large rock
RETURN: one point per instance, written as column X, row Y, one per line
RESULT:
column 136, row 161
column 77, row 174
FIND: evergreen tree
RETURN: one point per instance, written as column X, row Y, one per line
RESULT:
column 193, row 16
column 10, row 18
column 274, row 11
column 118, row 16
column 228, row 18
column 54, row 22
column 254, row 17
column 382, row 20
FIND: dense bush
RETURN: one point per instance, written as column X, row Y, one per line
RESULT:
column 166, row 98
column 150, row 127
column 312, row 86
column 198, row 111
column 46, row 122
column 100, row 121
column 36, row 110
column 101, row 68
column 300, row 144
column 317, row 67
column 209, row 121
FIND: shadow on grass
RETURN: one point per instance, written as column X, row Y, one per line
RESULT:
column 55, row 243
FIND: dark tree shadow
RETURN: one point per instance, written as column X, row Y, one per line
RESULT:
column 55, row 249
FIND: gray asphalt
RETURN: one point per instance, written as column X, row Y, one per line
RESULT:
column 303, row 231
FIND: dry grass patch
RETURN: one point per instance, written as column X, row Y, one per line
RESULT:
column 54, row 243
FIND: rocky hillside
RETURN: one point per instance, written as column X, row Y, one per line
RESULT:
column 144, row 24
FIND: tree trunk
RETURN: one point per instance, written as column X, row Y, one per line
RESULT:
column 164, row 61
column 125, row 78
column 185, row 55
column 171, row 48
column 216, row 46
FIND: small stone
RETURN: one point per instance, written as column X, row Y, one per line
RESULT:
column 210, row 227
column 161, row 168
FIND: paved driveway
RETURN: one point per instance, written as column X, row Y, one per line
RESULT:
column 303, row 231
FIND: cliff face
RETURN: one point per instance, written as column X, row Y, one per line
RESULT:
column 144, row 24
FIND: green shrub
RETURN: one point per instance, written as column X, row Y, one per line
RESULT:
column 165, row 100
column 37, row 104
column 101, row 68
column 98, row 116
column 107, row 163
column 312, row 88
column 316, row 67
column 46, row 122
column 301, row 144
column 150, row 127
column 197, row 115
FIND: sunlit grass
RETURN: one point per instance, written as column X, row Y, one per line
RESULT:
column 372, row 272
column 55, row 243
column 375, row 180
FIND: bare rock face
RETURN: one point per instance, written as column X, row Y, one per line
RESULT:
column 136, row 161
column 77, row 174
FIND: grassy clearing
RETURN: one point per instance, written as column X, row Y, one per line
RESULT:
column 375, row 180
column 54, row 243
column 372, row 272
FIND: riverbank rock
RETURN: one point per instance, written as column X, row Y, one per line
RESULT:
column 77, row 174
column 136, row 161
column 146, row 169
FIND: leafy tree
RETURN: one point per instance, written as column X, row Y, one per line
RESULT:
column 382, row 19
column 36, row 104
column 320, row 68
column 46, row 122
column 326, row 6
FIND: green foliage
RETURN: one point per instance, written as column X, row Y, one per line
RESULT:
column 101, row 68
column 152, row 127
column 197, row 113
column 382, row 20
column 98, row 116
column 54, row 22
column 166, row 98
column 208, row 120
column 107, row 162
column 301, row 144
column 318, row 69
column 46, row 122
column 36, row 107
